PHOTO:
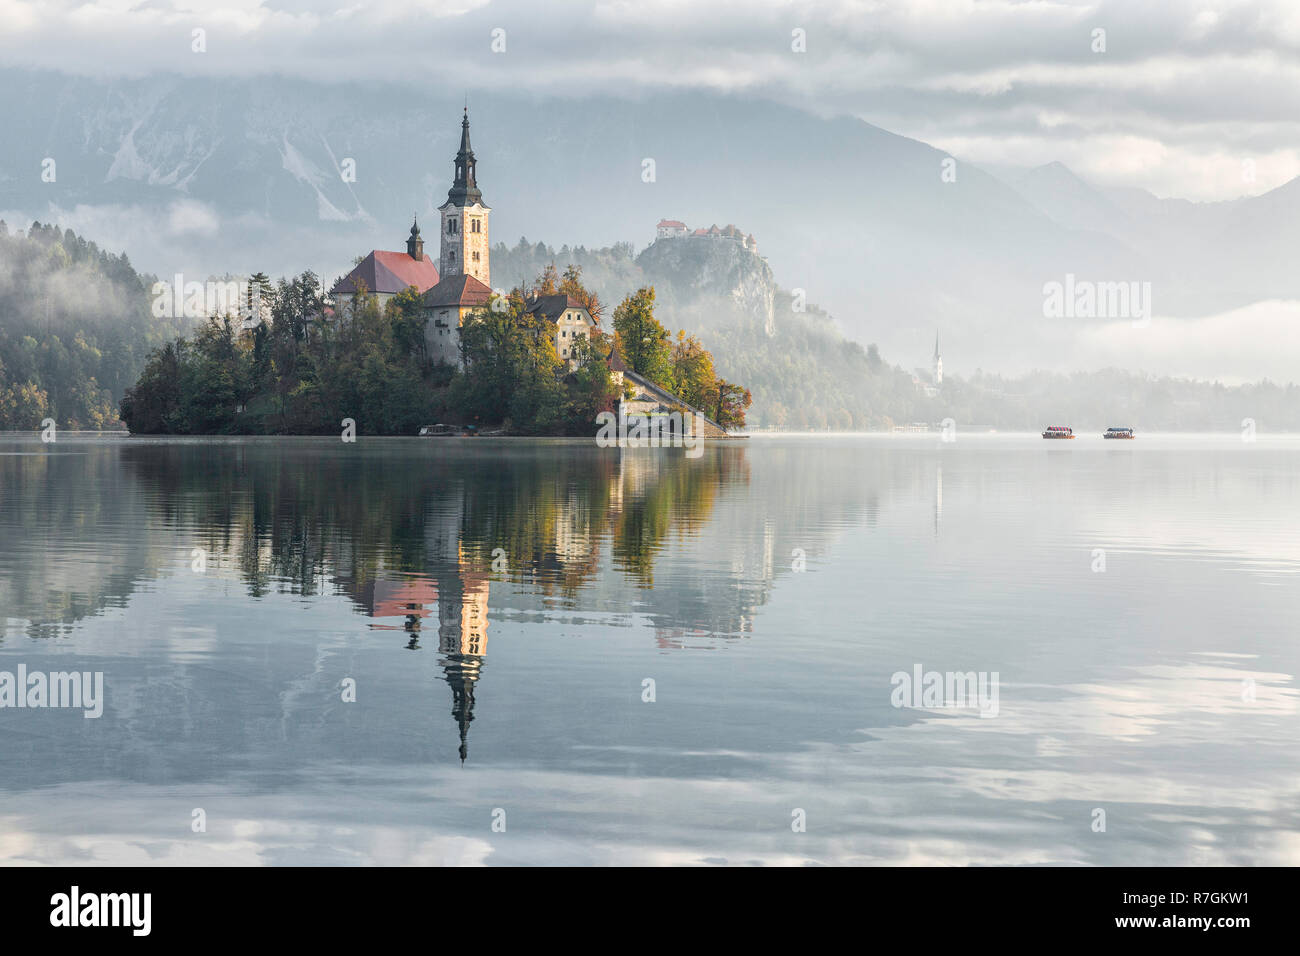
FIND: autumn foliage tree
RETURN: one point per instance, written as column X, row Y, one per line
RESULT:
column 683, row 367
column 641, row 340
column 571, row 285
column 729, row 403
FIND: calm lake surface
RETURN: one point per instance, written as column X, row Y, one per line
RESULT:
column 501, row 606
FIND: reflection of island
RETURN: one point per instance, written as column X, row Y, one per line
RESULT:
column 405, row 529
column 578, row 524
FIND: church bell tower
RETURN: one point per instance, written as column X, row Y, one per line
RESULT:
column 465, row 219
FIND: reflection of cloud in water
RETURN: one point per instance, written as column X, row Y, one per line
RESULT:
column 223, row 688
column 914, row 794
column 1173, row 702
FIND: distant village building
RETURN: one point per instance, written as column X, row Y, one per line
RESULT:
column 929, row 380
column 676, row 229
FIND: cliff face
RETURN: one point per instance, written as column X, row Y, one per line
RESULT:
column 696, row 267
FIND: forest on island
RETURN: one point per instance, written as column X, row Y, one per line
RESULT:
column 312, row 366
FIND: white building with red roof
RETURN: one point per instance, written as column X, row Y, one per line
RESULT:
column 670, row 229
column 384, row 274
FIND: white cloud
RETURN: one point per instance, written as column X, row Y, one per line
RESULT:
column 188, row 217
column 1184, row 91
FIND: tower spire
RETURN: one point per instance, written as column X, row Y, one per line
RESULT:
column 415, row 244
column 464, row 190
column 464, row 236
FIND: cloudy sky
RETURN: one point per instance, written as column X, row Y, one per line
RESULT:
column 1191, row 98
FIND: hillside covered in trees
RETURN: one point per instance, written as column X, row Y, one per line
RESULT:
column 805, row 375
column 75, row 329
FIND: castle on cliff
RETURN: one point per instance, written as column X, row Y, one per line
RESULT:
column 675, row 229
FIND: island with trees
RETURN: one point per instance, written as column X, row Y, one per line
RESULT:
column 314, row 364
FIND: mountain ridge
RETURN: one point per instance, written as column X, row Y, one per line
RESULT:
column 217, row 175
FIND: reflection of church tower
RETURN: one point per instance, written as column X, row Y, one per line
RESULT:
column 938, row 499
column 462, row 640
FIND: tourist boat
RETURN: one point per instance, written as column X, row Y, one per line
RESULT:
column 444, row 431
column 440, row 430
column 1118, row 432
column 1058, row 431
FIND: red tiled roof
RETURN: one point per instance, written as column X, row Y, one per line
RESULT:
column 550, row 306
column 672, row 222
column 462, row 290
column 389, row 272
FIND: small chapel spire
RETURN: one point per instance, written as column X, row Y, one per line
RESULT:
column 415, row 245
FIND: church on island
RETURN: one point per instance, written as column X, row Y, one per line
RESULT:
column 461, row 282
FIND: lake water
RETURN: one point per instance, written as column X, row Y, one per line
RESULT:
column 503, row 611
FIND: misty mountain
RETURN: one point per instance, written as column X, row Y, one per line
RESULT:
column 1221, row 254
column 204, row 176
column 75, row 329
